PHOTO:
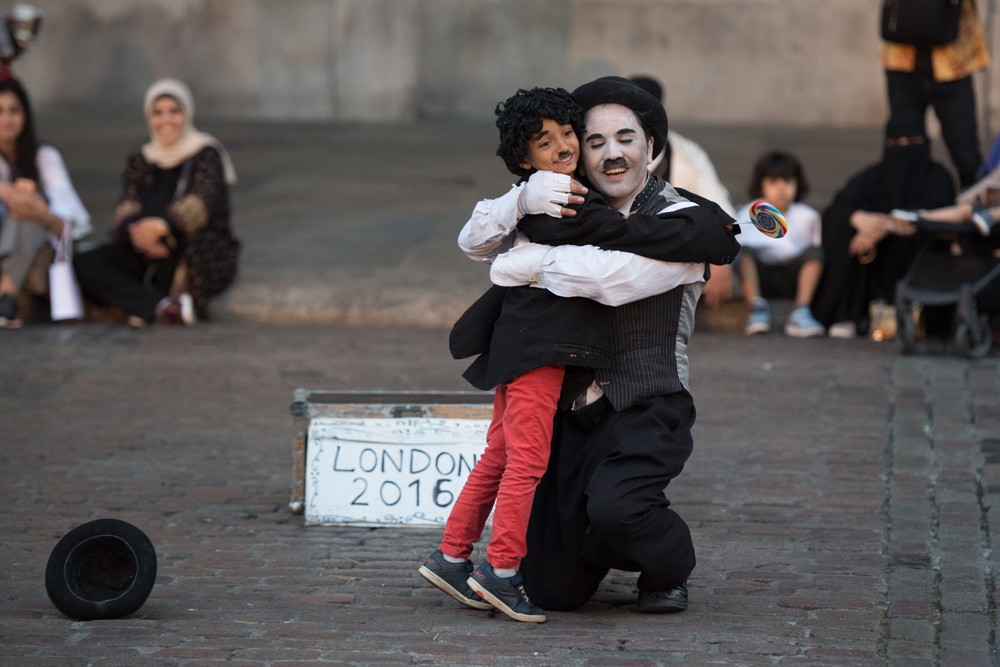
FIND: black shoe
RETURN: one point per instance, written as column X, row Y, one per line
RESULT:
column 663, row 602
column 506, row 594
column 8, row 312
column 452, row 578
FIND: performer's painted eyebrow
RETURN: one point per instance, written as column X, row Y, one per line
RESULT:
column 600, row 137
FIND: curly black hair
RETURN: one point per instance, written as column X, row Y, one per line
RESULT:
column 778, row 164
column 520, row 117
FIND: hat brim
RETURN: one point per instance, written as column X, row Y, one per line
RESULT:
column 619, row 90
column 101, row 569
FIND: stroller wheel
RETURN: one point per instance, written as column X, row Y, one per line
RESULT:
column 974, row 338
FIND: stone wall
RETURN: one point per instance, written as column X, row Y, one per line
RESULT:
column 801, row 62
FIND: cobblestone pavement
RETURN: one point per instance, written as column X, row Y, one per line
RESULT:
column 840, row 498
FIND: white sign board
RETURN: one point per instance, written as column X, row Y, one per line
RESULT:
column 366, row 472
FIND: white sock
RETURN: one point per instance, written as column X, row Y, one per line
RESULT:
column 505, row 572
column 452, row 559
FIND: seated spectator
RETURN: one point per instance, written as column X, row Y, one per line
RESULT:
column 685, row 164
column 788, row 267
column 37, row 201
column 173, row 249
column 864, row 256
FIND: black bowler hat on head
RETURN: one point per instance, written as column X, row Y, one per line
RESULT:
column 101, row 569
column 619, row 90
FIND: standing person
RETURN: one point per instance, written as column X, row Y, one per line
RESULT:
column 684, row 164
column 601, row 502
column 523, row 351
column 864, row 256
column 173, row 248
column 37, row 197
column 789, row 266
column 940, row 76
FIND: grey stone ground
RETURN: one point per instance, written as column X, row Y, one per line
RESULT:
column 840, row 495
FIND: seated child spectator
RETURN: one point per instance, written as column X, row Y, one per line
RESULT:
column 789, row 267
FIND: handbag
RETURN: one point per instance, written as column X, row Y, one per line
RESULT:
column 64, row 291
column 922, row 23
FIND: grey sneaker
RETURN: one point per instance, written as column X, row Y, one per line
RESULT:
column 759, row 319
column 802, row 324
column 452, row 578
column 506, row 594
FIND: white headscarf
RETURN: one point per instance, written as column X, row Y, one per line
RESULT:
column 191, row 140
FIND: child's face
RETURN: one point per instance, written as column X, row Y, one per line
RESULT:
column 779, row 191
column 555, row 148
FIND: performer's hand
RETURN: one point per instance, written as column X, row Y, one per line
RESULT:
column 547, row 192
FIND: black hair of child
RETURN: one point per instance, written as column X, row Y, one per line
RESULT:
column 778, row 164
column 520, row 117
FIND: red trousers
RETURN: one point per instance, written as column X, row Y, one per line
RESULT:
column 516, row 455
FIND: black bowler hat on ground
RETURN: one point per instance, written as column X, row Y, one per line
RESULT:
column 619, row 90
column 101, row 569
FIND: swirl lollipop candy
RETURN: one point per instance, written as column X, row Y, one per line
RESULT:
column 768, row 219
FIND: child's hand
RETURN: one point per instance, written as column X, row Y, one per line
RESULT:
column 547, row 192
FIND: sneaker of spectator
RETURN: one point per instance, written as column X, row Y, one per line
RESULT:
column 179, row 310
column 845, row 330
column 982, row 219
column 8, row 312
column 759, row 319
column 802, row 324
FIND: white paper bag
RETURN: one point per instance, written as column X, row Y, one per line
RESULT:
column 64, row 291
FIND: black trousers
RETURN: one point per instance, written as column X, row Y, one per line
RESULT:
column 601, row 503
column 117, row 275
column 954, row 102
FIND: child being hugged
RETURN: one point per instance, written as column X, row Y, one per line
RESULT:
column 786, row 267
column 517, row 333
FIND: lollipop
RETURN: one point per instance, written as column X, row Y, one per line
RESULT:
column 768, row 219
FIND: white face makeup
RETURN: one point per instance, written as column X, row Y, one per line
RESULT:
column 616, row 153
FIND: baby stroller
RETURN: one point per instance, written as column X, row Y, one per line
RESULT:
column 955, row 268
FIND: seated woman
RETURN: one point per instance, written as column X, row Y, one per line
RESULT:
column 173, row 249
column 37, row 200
column 866, row 253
